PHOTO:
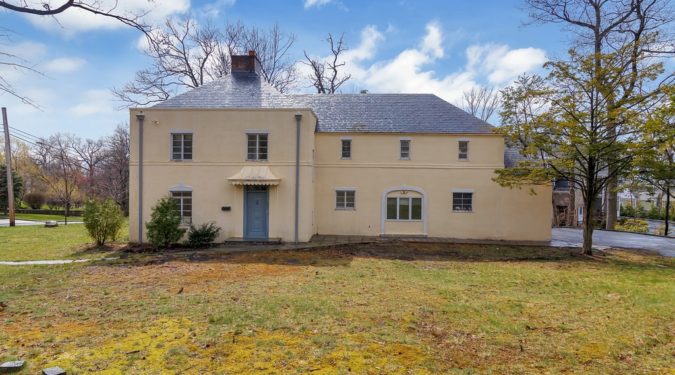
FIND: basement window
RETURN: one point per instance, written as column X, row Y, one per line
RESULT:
column 462, row 202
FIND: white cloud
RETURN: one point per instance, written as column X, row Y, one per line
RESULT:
column 95, row 102
column 316, row 3
column 410, row 72
column 65, row 64
column 213, row 9
column 76, row 20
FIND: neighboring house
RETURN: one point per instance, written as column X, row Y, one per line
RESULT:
column 261, row 164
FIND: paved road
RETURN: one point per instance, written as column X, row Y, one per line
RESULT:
column 5, row 222
column 603, row 239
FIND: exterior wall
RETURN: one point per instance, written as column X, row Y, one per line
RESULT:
column 219, row 151
column 434, row 170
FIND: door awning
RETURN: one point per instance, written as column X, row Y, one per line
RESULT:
column 258, row 175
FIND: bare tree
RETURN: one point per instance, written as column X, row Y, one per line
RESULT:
column 59, row 169
column 632, row 29
column 91, row 154
column 45, row 8
column 49, row 8
column 481, row 102
column 186, row 55
column 114, row 177
column 325, row 75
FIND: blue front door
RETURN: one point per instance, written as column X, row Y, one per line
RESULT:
column 255, row 212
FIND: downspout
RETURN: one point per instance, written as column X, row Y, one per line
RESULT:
column 140, row 117
column 298, row 118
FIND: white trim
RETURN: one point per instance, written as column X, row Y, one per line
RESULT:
column 463, row 191
column 181, row 131
column 383, row 209
column 463, row 140
column 257, row 131
column 180, row 188
column 345, row 189
column 345, row 138
column 405, row 139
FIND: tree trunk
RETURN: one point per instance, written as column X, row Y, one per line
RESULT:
column 587, row 248
column 665, row 231
column 612, row 199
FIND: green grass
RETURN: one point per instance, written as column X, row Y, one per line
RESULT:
column 385, row 308
column 40, row 243
column 43, row 217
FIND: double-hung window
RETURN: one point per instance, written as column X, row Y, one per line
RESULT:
column 462, row 202
column 181, row 146
column 346, row 148
column 184, row 205
column 404, row 208
column 256, row 146
column 345, row 199
column 405, row 149
column 463, row 150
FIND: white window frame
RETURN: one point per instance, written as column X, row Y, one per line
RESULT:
column 462, row 191
column 462, row 156
column 400, row 148
column 344, row 206
column 257, row 135
column 181, row 203
column 181, row 133
column 398, row 208
column 342, row 155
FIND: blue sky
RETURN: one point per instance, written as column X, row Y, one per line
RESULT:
column 442, row 47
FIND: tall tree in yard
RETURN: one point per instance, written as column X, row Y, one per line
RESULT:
column 636, row 29
column 577, row 135
column 656, row 166
column 326, row 74
column 60, row 170
column 114, row 173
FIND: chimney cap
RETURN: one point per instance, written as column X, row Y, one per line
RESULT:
column 364, row 91
column 251, row 52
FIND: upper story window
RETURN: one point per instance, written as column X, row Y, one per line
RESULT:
column 405, row 149
column 257, row 147
column 404, row 208
column 345, row 199
column 463, row 150
column 184, row 204
column 346, row 148
column 181, row 146
column 462, row 201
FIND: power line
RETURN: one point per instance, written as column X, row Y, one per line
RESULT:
column 26, row 134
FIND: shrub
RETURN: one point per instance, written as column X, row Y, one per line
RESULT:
column 653, row 213
column 164, row 226
column 35, row 200
column 103, row 220
column 203, row 235
column 633, row 225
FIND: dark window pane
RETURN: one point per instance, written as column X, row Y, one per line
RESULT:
column 339, row 199
column 405, row 149
column 346, row 148
column 349, row 199
column 391, row 209
column 416, row 211
column 404, row 208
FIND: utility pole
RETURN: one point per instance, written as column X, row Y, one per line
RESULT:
column 8, row 166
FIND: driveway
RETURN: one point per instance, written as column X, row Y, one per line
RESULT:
column 603, row 239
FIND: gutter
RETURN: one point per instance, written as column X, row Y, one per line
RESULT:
column 140, row 117
column 298, row 119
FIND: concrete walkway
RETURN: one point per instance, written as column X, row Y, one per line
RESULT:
column 604, row 239
column 42, row 262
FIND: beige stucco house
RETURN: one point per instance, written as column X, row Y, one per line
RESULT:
column 262, row 164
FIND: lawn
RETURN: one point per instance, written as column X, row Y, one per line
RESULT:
column 368, row 309
column 38, row 243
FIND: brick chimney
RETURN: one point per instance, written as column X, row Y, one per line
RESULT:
column 246, row 63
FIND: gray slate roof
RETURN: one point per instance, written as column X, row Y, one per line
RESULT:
column 362, row 113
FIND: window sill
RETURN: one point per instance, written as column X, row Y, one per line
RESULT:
column 462, row 212
column 181, row 160
column 404, row 159
column 345, row 209
column 404, row 220
column 463, row 160
column 345, row 158
column 257, row 160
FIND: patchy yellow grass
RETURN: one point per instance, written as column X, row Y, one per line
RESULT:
column 369, row 309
